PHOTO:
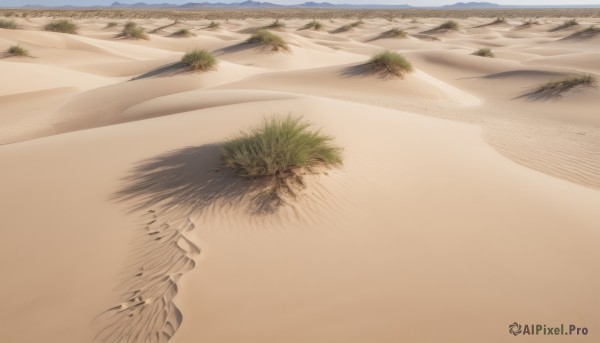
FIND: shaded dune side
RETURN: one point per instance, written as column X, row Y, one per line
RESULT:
column 161, row 254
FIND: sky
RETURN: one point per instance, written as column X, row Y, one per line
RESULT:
column 7, row 3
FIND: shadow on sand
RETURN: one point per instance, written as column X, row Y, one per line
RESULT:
column 170, row 69
column 192, row 179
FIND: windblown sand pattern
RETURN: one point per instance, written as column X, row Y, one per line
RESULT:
column 147, row 313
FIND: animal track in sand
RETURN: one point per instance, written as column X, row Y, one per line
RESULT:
column 161, row 254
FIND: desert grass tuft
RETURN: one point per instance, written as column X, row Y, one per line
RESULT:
column 315, row 25
column 390, row 63
column 395, row 33
column 280, row 148
column 449, row 25
column 484, row 52
column 275, row 25
column 268, row 39
column 213, row 25
column 589, row 32
column 8, row 24
column 200, row 60
column 111, row 24
column 565, row 25
column 17, row 51
column 556, row 89
column 528, row 23
column 133, row 31
column 63, row 25
column 184, row 33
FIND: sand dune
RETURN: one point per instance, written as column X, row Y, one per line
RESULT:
column 466, row 201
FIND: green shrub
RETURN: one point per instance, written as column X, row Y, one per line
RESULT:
column 64, row 26
column 268, row 39
column 8, row 24
column 449, row 25
column 200, row 60
column 484, row 52
column 184, row 33
column 17, row 50
column 390, row 63
column 133, row 31
column 279, row 148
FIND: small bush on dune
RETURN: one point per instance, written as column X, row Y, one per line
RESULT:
column 499, row 20
column 133, row 31
column 279, row 149
column 390, row 63
column 111, row 24
column 275, row 25
column 18, row 51
column 64, row 26
column 450, row 25
column 8, row 24
column 357, row 23
column 344, row 28
column 315, row 25
column 395, row 33
column 184, row 33
column 590, row 32
column 556, row 89
column 213, row 25
column 268, row 39
column 566, row 24
column 484, row 52
column 529, row 22
column 200, row 60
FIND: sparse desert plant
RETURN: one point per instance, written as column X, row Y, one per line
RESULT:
column 18, row 51
column 566, row 24
column 8, row 24
column 449, row 25
column 395, row 33
column 357, row 23
column 390, row 63
column 200, row 60
column 315, row 25
column 280, row 149
column 499, row 20
column 213, row 25
column 484, row 52
column 183, row 33
column 529, row 22
column 344, row 28
column 268, row 39
column 555, row 89
column 63, row 25
column 275, row 25
column 133, row 31
column 589, row 32
column 111, row 24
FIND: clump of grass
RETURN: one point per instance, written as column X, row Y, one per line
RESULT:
column 529, row 22
column 566, row 24
column 200, row 60
column 589, row 32
column 280, row 149
column 275, row 25
column 213, row 25
column 111, row 24
column 315, row 25
column 499, row 20
column 8, row 24
column 268, row 39
column 17, row 51
column 555, row 89
column 449, row 25
column 344, row 28
column 133, row 31
column 64, row 26
column 357, row 23
column 390, row 63
column 484, row 52
column 184, row 33
column 396, row 33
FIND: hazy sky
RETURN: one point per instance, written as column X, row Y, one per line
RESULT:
column 4, row 3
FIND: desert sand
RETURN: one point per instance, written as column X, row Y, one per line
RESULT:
column 463, row 204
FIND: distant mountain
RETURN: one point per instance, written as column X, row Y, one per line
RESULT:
column 464, row 5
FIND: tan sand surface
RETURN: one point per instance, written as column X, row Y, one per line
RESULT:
column 463, row 204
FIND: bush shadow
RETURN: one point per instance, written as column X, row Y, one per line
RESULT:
column 192, row 180
column 170, row 69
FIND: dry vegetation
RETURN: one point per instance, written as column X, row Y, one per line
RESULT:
column 200, row 60
column 133, row 31
column 17, row 51
column 556, row 89
column 63, row 25
column 484, row 52
column 8, row 24
column 315, row 25
column 299, row 13
column 390, row 63
column 268, row 39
